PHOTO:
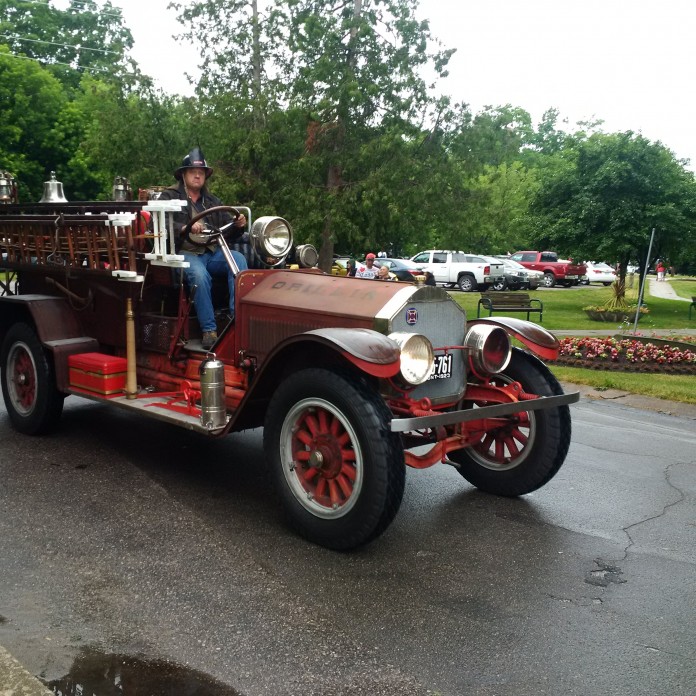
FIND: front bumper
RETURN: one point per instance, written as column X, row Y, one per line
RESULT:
column 403, row 425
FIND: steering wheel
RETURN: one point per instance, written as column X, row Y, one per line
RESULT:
column 186, row 230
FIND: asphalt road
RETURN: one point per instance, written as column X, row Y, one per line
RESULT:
column 120, row 537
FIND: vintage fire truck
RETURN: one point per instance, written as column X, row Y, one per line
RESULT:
column 351, row 379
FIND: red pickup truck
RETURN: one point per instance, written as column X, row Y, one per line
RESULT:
column 555, row 271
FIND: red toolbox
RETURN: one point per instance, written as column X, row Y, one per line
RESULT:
column 97, row 372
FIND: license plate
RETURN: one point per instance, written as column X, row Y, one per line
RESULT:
column 571, row 277
column 443, row 367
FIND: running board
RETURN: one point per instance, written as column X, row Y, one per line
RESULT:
column 154, row 406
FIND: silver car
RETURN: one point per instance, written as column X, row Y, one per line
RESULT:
column 517, row 277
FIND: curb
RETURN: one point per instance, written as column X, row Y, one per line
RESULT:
column 16, row 681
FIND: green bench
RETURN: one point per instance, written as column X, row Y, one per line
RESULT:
column 510, row 302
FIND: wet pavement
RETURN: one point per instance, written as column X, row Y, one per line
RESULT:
column 129, row 551
column 584, row 586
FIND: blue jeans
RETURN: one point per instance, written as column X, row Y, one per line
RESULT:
column 202, row 269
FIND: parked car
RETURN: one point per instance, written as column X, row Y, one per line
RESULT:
column 467, row 271
column 403, row 269
column 339, row 266
column 600, row 273
column 555, row 270
column 517, row 277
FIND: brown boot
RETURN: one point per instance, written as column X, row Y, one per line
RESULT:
column 208, row 340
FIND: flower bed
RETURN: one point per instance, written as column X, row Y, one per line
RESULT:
column 631, row 354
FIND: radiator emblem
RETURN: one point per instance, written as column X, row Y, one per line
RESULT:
column 411, row 316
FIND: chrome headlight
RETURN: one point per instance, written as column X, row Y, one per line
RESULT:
column 272, row 239
column 489, row 349
column 417, row 357
column 306, row 256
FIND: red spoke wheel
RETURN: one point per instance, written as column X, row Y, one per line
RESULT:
column 525, row 450
column 338, row 469
column 33, row 402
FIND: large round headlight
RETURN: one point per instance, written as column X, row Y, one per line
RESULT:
column 417, row 357
column 272, row 239
column 489, row 349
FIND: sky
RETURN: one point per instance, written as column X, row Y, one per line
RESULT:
column 630, row 63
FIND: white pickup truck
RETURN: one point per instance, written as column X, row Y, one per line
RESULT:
column 468, row 271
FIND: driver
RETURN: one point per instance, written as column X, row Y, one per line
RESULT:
column 206, row 260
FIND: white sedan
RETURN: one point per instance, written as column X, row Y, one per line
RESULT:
column 600, row 273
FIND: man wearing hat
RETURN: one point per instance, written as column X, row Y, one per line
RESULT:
column 367, row 269
column 205, row 260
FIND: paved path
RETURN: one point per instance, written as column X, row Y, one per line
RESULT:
column 664, row 290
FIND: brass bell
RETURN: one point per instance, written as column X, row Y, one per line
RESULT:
column 53, row 191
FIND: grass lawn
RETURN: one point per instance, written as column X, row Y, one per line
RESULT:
column 684, row 287
column 672, row 387
column 563, row 312
column 563, row 308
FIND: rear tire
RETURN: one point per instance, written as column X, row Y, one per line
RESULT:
column 466, row 283
column 33, row 402
column 338, row 469
column 527, row 450
column 500, row 285
column 549, row 279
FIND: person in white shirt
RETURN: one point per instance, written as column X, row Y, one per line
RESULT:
column 367, row 269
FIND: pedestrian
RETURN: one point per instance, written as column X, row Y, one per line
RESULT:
column 367, row 269
column 430, row 279
column 660, row 268
column 383, row 273
column 205, row 257
column 350, row 268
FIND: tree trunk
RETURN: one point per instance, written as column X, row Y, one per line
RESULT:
column 333, row 181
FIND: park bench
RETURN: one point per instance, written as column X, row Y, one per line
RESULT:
column 507, row 302
column 692, row 306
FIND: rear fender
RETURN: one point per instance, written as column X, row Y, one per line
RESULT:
column 55, row 324
column 52, row 317
column 535, row 337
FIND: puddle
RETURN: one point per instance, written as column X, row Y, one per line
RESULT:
column 95, row 674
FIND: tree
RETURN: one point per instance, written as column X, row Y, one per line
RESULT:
column 346, row 78
column 355, row 68
column 31, row 106
column 604, row 195
column 82, row 38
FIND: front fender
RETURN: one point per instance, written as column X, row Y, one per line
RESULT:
column 535, row 337
column 370, row 351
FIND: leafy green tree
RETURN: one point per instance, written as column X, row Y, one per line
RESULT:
column 355, row 68
column 32, row 103
column 82, row 37
column 347, row 79
column 604, row 194
column 140, row 136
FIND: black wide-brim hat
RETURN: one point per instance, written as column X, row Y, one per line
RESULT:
column 194, row 160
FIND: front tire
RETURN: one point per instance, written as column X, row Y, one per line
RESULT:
column 338, row 469
column 526, row 450
column 33, row 402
